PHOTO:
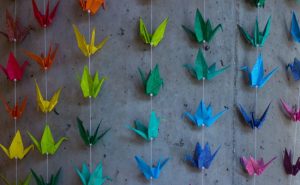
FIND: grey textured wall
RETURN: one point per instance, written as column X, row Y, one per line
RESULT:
column 122, row 99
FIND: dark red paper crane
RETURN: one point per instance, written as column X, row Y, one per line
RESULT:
column 290, row 168
column 46, row 19
column 13, row 70
column 16, row 111
column 15, row 31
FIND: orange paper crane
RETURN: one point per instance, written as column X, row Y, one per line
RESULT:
column 44, row 61
column 92, row 6
column 16, row 111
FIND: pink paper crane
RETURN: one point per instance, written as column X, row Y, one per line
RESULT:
column 13, row 70
column 255, row 167
column 292, row 112
column 46, row 19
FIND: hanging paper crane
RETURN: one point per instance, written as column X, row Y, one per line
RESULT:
column 259, row 3
column 289, row 167
column 91, row 48
column 200, row 69
column 41, row 181
column 147, row 133
column 47, row 144
column 92, row 6
column 151, row 172
column 91, row 178
column 256, row 76
column 295, row 69
column 44, row 61
column 91, row 85
column 295, row 30
column 255, row 167
column 15, row 31
column 203, row 115
column 292, row 112
column 26, row 181
column 202, row 158
column 46, row 19
column 251, row 120
column 16, row 149
column 16, row 111
column 46, row 105
column 203, row 31
column 259, row 38
column 13, row 70
column 155, row 38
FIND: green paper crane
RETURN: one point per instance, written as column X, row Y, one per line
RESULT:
column 91, row 178
column 259, row 3
column 155, row 38
column 203, row 31
column 41, row 181
column 200, row 69
column 153, row 82
column 26, row 181
column 90, row 86
column 47, row 144
column 259, row 38
column 86, row 136
column 147, row 133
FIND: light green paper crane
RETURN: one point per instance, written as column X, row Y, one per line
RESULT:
column 26, row 181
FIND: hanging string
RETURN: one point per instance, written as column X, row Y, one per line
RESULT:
column 151, row 95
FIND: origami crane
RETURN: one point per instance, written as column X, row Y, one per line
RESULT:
column 295, row 30
column 44, row 61
column 295, row 69
column 46, row 19
column 204, row 32
column 254, row 167
column 290, row 168
column 16, row 111
column 47, row 144
column 41, row 181
column 259, row 38
column 153, row 82
column 155, row 38
column 92, row 6
column 203, row 115
column 88, row 138
column 13, row 70
column 91, row 85
column 45, row 105
column 259, row 3
column 91, row 48
column 15, row 31
column 202, row 158
column 147, row 133
column 149, row 171
column 92, row 178
column 200, row 69
column 26, row 181
column 256, row 76
column 292, row 112
column 251, row 120
column 16, row 149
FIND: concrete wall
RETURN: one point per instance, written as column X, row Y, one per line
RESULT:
column 122, row 99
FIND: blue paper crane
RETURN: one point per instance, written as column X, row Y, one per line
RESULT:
column 295, row 69
column 202, row 158
column 256, row 76
column 203, row 115
column 295, row 30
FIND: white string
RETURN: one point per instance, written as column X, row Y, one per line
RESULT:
column 15, row 94
column 151, row 103
column 255, row 131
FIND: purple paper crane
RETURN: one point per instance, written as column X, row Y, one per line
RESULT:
column 253, row 166
column 292, row 112
column 290, row 168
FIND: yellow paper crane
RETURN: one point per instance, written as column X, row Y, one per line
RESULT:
column 91, row 48
column 45, row 105
column 16, row 149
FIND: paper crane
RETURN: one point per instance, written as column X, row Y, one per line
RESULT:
column 295, row 30
column 16, row 111
column 149, row 171
column 292, row 112
column 254, row 167
column 290, row 168
column 203, row 115
column 25, row 181
column 256, row 76
column 259, row 3
column 295, row 69
column 41, row 181
column 202, row 158
column 92, row 6
column 92, row 178
column 46, row 19
column 13, row 70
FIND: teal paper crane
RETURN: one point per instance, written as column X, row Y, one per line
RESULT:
column 259, row 3
column 91, row 178
column 200, row 69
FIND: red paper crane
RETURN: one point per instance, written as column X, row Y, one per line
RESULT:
column 13, row 70
column 44, row 61
column 15, row 31
column 46, row 19
column 16, row 111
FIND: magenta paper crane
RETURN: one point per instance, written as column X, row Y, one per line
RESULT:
column 255, row 167
column 292, row 112
column 13, row 70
